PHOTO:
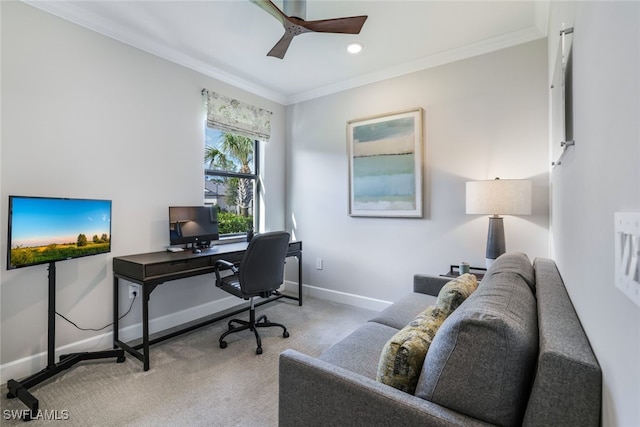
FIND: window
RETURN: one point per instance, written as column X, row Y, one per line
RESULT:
column 231, row 179
column 233, row 129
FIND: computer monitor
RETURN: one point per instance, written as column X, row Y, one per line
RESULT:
column 195, row 225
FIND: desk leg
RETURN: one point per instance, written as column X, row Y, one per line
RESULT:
column 145, row 325
column 300, row 279
column 116, row 313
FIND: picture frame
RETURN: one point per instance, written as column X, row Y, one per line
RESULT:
column 385, row 165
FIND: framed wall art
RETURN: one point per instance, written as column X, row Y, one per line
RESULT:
column 385, row 165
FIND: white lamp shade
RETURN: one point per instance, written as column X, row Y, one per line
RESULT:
column 499, row 197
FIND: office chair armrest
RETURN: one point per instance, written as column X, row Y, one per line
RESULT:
column 222, row 264
column 226, row 264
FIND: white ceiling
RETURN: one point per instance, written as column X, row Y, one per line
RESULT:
column 229, row 39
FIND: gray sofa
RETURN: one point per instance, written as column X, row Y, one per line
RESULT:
column 513, row 353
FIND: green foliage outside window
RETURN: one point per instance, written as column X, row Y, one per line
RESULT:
column 229, row 223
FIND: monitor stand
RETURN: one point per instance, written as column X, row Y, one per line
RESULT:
column 198, row 247
column 20, row 389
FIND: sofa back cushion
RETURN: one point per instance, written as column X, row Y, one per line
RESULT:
column 482, row 359
column 514, row 263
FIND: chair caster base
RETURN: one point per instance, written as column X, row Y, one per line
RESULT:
column 285, row 334
column 223, row 344
column 259, row 350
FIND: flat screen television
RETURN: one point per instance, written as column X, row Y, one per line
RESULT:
column 195, row 225
column 47, row 229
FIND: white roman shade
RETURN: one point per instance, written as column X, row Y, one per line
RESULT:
column 230, row 115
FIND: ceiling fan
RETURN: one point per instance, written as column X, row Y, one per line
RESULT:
column 292, row 20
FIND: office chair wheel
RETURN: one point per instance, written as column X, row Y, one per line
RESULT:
column 285, row 334
column 223, row 344
column 259, row 350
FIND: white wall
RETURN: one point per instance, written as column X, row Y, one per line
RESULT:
column 600, row 176
column 484, row 117
column 86, row 116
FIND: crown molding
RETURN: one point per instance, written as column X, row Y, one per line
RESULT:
column 68, row 11
column 453, row 55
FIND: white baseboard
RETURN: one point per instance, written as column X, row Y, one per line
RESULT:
column 171, row 320
column 21, row 368
column 337, row 296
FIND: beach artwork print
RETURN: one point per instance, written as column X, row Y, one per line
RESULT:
column 385, row 154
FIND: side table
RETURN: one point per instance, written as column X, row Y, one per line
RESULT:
column 454, row 271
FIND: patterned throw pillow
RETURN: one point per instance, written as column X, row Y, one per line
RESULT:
column 403, row 355
column 456, row 291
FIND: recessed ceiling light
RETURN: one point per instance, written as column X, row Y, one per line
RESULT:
column 354, row 48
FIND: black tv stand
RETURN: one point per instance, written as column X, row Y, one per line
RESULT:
column 20, row 389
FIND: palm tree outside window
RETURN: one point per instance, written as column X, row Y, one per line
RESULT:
column 230, row 173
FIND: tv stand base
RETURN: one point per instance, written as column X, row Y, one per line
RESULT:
column 20, row 389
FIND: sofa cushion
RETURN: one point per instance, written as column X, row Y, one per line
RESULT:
column 482, row 359
column 399, row 314
column 403, row 355
column 360, row 351
column 514, row 263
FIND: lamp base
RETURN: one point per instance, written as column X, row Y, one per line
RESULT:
column 495, row 239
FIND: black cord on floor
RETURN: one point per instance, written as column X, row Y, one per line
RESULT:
column 135, row 295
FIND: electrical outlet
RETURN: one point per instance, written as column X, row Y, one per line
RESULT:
column 133, row 289
column 319, row 263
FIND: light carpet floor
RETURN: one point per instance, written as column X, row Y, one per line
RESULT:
column 192, row 381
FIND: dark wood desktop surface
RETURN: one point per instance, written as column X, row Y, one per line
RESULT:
column 164, row 266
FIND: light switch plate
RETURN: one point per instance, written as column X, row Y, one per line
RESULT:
column 627, row 253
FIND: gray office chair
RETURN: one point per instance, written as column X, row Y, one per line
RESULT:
column 260, row 274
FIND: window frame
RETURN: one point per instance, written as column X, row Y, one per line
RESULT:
column 255, row 177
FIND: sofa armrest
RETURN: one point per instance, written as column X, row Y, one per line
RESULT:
column 429, row 285
column 316, row 393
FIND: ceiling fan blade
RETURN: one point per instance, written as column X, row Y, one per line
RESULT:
column 350, row 25
column 294, row 26
column 271, row 8
column 281, row 47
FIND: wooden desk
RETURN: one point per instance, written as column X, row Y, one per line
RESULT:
column 152, row 269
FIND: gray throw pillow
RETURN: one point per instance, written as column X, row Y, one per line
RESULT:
column 481, row 361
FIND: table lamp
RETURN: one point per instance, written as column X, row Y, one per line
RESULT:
column 498, row 197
